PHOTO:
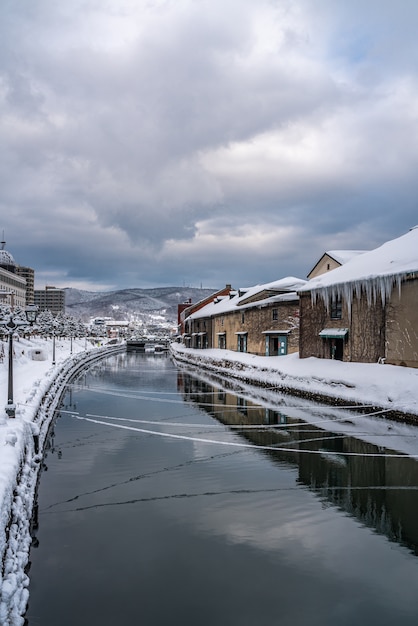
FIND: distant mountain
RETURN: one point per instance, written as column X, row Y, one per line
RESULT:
column 143, row 305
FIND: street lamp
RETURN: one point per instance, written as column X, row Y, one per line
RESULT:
column 54, row 326
column 10, row 326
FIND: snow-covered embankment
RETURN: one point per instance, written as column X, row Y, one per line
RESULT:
column 391, row 389
column 23, row 441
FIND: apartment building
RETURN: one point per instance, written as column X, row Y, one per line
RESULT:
column 50, row 299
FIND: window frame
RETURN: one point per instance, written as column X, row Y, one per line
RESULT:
column 336, row 308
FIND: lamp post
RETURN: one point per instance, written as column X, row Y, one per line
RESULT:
column 10, row 326
column 54, row 326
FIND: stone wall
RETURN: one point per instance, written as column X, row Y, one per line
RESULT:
column 402, row 325
column 365, row 341
column 254, row 321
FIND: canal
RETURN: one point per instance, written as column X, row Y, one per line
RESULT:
column 170, row 498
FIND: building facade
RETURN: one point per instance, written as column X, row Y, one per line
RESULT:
column 265, row 328
column 367, row 310
column 29, row 275
column 333, row 330
column 187, row 309
column 331, row 260
column 261, row 320
column 12, row 289
column 50, row 299
column 12, row 285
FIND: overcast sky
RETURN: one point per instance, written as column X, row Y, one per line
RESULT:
column 204, row 142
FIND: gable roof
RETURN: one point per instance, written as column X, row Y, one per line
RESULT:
column 188, row 310
column 339, row 256
column 343, row 256
column 284, row 289
column 375, row 272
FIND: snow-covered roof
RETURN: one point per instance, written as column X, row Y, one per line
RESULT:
column 290, row 283
column 375, row 272
column 343, row 256
column 339, row 256
column 197, row 304
column 286, row 289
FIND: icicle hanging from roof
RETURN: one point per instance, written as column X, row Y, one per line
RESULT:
column 378, row 286
column 371, row 275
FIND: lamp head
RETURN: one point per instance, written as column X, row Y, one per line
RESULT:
column 31, row 312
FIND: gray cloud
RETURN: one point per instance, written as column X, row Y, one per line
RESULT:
column 150, row 142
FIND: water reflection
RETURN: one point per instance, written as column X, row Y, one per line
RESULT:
column 362, row 479
column 178, row 517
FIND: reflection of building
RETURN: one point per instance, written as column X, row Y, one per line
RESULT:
column 12, row 284
column 359, row 478
column 50, row 299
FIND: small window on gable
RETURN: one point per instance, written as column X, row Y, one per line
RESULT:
column 275, row 314
column 242, row 318
column 336, row 308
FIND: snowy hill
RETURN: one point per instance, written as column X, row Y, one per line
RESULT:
column 132, row 303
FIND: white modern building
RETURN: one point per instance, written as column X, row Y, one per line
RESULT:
column 12, row 285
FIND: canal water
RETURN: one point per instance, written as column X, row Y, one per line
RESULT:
column 169, row 498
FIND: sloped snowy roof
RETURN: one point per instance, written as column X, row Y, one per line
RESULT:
column 288, row 286
column 375, row 272
column 201, row 303
column 340, row 256
column 290, row 283
column 343, row 256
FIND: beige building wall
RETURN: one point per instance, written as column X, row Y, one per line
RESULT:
column 402, row 325
column 325, row 264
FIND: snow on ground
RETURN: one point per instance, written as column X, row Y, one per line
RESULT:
column 385, row 386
